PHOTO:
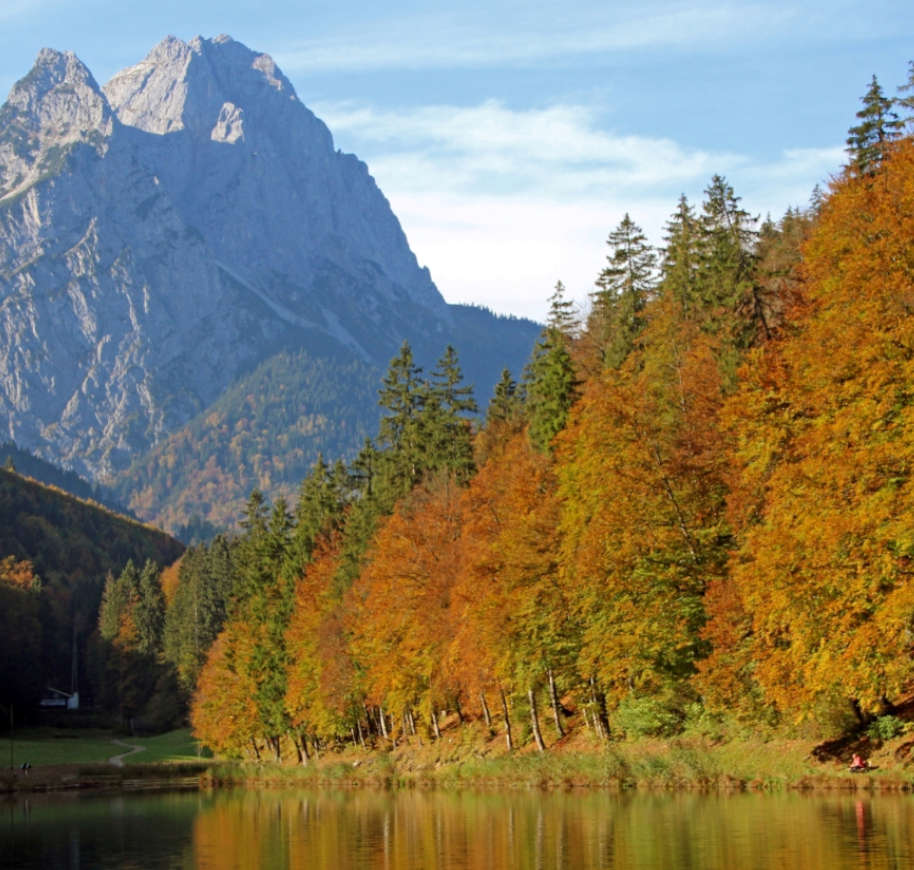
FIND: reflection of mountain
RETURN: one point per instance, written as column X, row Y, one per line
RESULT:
column 164, row 238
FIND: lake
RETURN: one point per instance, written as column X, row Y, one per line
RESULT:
column 444, row 829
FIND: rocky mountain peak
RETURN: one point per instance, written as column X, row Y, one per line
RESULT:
column 57, row 105
column 195, row 85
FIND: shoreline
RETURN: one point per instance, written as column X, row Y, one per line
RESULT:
column 676, row 765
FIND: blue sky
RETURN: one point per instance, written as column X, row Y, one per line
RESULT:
column 511, row 137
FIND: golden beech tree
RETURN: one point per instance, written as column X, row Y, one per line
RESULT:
column 321, row 686
column 223, row 713
column 820, row 600
column 513, row 634
column 643, row 531
column 400, row 606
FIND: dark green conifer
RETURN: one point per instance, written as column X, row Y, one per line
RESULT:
column 879, row 124
column 625, row 287
column 550, row 381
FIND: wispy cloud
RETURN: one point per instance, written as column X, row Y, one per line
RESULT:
column 500, row 203
column 504, row 37
column 492, row 148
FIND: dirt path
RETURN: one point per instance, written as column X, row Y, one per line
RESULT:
column 118, row 760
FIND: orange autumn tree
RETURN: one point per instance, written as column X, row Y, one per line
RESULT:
column 400, row 605
column 513, row 634
column 643, row 531
column 321, row 684
column 819, row 607
column 223, row 713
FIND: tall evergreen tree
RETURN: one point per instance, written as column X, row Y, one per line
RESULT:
column 681, row 255
column 402, row 396
column 879, row 124
column 550, row 381
column 447, row 432
column 625, row 286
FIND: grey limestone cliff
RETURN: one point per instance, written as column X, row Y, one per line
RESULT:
column 161, row 235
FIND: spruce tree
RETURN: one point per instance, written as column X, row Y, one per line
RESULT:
column 403, row 396
column 505, row 406
column 681, row 255
column 550, row 381
column 625, row 287
column 879, row 124
column 447, row 433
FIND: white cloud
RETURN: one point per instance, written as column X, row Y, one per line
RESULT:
column 501, row 203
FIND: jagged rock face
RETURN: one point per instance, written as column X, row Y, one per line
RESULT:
column 160, row 236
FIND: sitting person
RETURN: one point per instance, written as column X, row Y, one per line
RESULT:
column 859, row 764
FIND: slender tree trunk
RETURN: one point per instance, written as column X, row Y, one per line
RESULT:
column 535, row 720
column 411, row 722
column 458, row 710
column 358, row 725
column 383, row 723
column 369, row 716
column 256, row 750
column 276, row 743
column 485, row 710
column 599, row 710
column 435, row 729
column 556, row 709
column 504, row 710
column 301, row 746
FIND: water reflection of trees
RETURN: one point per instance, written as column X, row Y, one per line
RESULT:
column 483, row 830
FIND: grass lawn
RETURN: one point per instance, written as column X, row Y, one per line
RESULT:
column 46, row 746
column 173, row 746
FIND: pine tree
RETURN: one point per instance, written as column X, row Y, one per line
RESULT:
column 447, row 433
column 550, row 381
column 625, row 286
column 403, row 396
column 681, row 255
column 505, row 406
column 879, row 124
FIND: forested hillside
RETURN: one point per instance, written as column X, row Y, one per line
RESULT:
column 690, row 512
column 56, row 553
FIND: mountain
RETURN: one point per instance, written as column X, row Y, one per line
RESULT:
column 167, row 236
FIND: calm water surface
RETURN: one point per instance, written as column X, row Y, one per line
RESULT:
column 413, row 829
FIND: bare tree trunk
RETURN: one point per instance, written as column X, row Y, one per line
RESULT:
column 535, row 720
column 504, row 710
column 358, row 726
column 301, row 747
column 556, row 709
column 412, row 722
column 458, row 710
column 485, row 710
column 256, row 750
column 435, row 729
column 381, row 719
column 599, row 710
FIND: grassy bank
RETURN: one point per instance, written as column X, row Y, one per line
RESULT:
column 465, row 757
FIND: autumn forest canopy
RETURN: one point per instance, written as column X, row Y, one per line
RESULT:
column 692, row 510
